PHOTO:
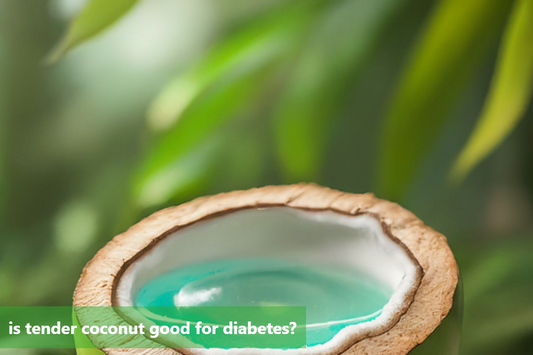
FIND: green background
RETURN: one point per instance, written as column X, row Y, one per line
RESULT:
column 356, row 95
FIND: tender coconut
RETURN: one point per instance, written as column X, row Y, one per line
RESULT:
column 393, row 245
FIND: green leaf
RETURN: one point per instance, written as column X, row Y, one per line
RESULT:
column 93, row 19
column 249, row 50
column 323, row 76
column 207, row 114
column 180, row 175
column 510, row 91
column 241, row 56
column 458, row 34
column 228, row 85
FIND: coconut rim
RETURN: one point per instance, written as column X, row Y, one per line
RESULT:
column 396, row 223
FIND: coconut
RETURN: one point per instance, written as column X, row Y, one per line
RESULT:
column 386, row 240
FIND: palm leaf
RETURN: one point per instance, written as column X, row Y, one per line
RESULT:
column 229, row 83
column 510, row 91
column 250, row 49
column 97, row 16
column 458, row 33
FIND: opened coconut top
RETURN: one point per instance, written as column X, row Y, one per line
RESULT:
column 391, row 243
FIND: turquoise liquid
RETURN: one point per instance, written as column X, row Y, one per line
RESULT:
column 334, row 297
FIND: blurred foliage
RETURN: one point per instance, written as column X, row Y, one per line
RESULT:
column 359, row 95
column 235, row 80
column 95, row 17
column 510, row 92
column 322, row 73
column 501, row 323
column 457, row 35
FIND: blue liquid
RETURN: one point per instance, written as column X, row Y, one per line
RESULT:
column 334, row 297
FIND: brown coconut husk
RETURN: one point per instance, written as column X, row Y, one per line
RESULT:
column 426, row 305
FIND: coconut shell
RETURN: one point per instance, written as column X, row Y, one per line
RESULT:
column 425, row 307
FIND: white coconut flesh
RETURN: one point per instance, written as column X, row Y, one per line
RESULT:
column 356, row 275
